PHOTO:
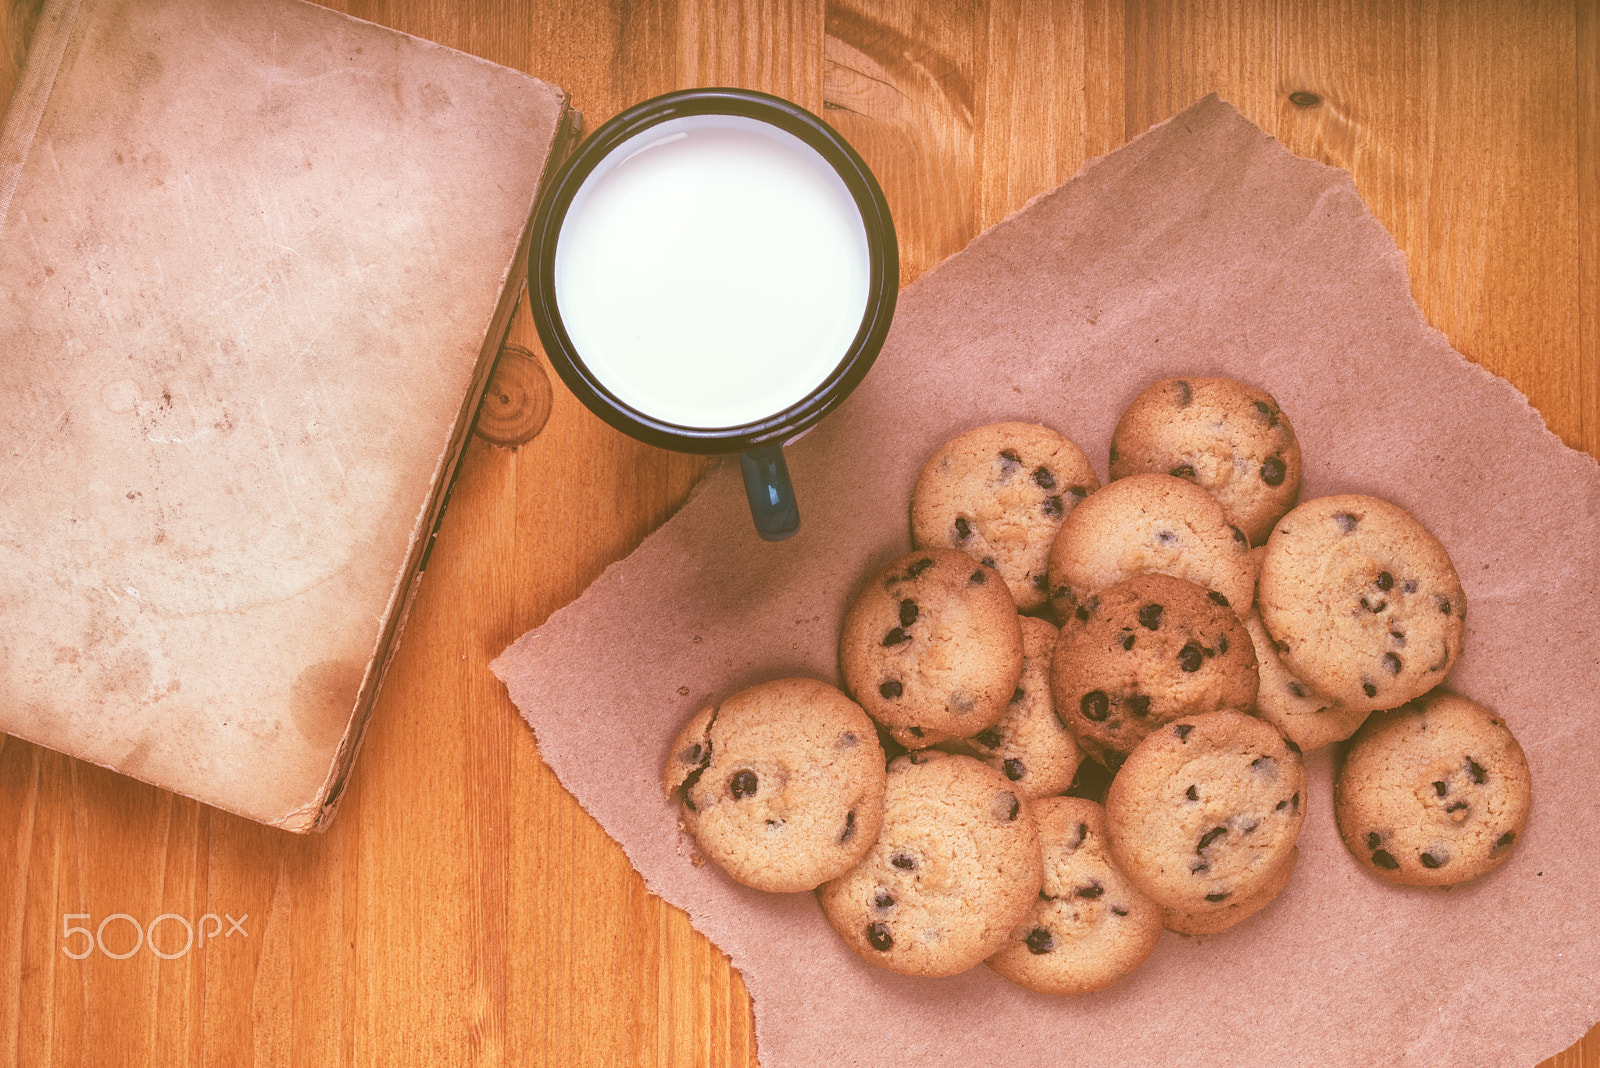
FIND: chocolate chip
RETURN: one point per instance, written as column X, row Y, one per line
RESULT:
column 879, row 938
column 908, row 613
column 1369, row 689
column 1018, row 694
column 1440, row 789
column 1182, row 471
column 1009, row 462
column 1408, row 586
column 1053, row 507
column 1431, row 860
column 1079, row 493
column 848, row 740
column 988, row 738
column 1373, row 840
column 1346, row 522
column 1090, row 892
column 1137, row 704
column 1150, row 616
column 1391, row 663
column 1263, row 765
column 1444, row 605
column 1210, row 836
column 1039, row 941
column 903, row 862
column 1192, row 794
column 883, row 900
column 1289, row 743
column 1382, row 858
column 1217, row 598
column 916, row 732
column 987, row 561
column 1273, row 471
column 1182, row 731
column 1385, row 581
column 1014, row 769
column 1238, row 536
column 978, row 577
column 1127, row 642
column 1456, row 806
column 892, row 688
column 1190, row 657
column 1503, row 841
column 1185, row 394
column 1081, row 613
column 849, row 827
column 1222, row 645
column 1221, row 895
column 1261, row 406
column 1095, row 706
column 963, row 530
column 1296, row 689
column 1119, row 910
column 1013, row 808
column 895, row 637
column 1291, row 802
column 1166, row 537
column 1044, row 479
column 1374, row 605
column 1199, row 867
column 1082, row 836
column 742, row 785
column 919, row 567
column 1399, row 637
column 1475, row 770
column 691, row 755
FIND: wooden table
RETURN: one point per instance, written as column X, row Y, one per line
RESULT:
column 463, row 908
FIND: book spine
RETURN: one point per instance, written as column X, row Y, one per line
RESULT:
column 38, row 78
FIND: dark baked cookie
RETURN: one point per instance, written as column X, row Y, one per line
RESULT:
column 956, row 866
column 781, row 784
column 1090, row 926
column 1362, row 603
column 999, row 493
column 1028, row 743
column 1205, row 811
column 1433, row 793
column 1228, row 438
column 1150, row 649
column 932, row 647
column 1146, row 523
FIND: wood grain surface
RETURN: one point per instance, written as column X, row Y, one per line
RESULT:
column 463, row 908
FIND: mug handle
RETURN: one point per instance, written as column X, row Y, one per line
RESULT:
column 770, row 493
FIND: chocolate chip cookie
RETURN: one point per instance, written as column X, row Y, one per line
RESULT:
column 781, row 784
column 1090, row 926
column 1146, row 523
column 1028, row 744
column 1206, row 810
column 1230, row 439
column 1433, row 793
column 1362, row 602
column 1233, row 912
column 1306, row 717
column 956, row 866
column 932, row 647
column 1149, row 650
column 999, row 493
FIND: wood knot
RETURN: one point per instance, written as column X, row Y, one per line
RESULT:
column 516, row 403
column 1304, row 99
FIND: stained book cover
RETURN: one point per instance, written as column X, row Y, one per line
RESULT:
column 255, row 264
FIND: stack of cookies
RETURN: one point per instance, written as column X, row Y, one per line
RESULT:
column 1074, row 716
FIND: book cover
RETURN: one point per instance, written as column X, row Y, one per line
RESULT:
column 256, row 261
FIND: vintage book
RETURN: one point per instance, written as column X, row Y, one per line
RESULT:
column 256, row 260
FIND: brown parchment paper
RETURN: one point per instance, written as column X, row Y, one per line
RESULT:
column 1202, row 247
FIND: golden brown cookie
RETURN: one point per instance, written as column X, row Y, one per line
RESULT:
column 781, row 784
column 932, row 647
column 999, row 493
column 1433, row 793
column 1230, row 439
column 956, row 866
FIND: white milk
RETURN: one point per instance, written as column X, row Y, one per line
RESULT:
column 712, row 271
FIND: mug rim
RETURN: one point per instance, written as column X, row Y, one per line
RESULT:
column 882, row 257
